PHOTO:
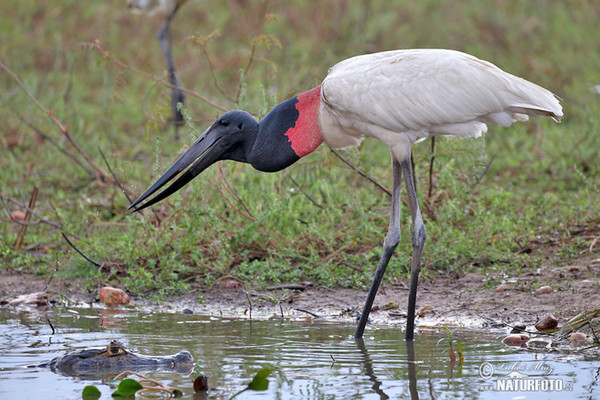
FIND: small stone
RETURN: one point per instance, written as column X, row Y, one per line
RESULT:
column 548, row 322
column 38, row 299
column 516, row 340
column 17, row 215
column 112, row 296
column 538, row 344
column 503, row 287
column 231, row 284
column 580, row 339
column 544, row 290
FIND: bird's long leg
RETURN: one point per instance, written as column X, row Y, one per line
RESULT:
column 418, row 241
column 177, row 96
column 389, row 245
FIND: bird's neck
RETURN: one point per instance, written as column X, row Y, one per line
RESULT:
column 306, row 136
column 288, row 132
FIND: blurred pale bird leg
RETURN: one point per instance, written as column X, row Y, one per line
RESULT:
column 168, row 8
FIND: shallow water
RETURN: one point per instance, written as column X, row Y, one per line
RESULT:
column 310, row 360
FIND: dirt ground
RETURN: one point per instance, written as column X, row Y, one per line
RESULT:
column 469, row 301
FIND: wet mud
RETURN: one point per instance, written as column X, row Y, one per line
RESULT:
column 472, row 301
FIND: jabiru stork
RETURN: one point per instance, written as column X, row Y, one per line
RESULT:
column 399, row 97
column 168, row 8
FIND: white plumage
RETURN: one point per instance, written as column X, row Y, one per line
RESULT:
column 152, row 7
column 403, row 96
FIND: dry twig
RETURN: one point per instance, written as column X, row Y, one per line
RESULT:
column 485, row 170
column 40, row 218
column 100, row 174
column 23, row 229
column 223, row 179
column 202, row 43
column 97, row 264
column 304, row 193
column 170, row 392
column 364, row 175
column 125, row 191
column 138, row 71
column 55, row 144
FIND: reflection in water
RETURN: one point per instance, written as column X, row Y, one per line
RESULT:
column 112, row 317
column 377, row 383
column 368, row 364
column 230, row 352
column 412, row 369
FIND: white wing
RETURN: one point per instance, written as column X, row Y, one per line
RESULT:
column 422, row 93
column 151, row 7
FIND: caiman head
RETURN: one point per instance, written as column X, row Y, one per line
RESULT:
column 114, row 359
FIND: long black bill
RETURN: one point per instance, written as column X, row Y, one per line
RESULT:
column 204, row 150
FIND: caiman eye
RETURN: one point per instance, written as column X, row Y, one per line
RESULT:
column 224, row 122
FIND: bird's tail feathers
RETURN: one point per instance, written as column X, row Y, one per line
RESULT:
column 530, row 109
column 532, row 99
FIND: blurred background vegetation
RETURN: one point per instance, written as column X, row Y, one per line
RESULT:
column 319, row 220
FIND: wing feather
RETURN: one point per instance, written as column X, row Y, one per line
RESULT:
column 431, row 90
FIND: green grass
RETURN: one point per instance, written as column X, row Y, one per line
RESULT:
column 317, row 220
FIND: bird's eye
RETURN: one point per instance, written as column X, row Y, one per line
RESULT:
column 240, row 126
column 224, row 122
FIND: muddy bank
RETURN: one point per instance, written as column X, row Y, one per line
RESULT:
column 473, row 300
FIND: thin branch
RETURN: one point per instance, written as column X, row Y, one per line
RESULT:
column 144, row 379
column 248, row 65
column 13, row 219
column 228, row 200
column 97, row 264
column 51, row 276
column 125, row 191
column 211, row 68
column 100, row 174
column 310, row 313
column 487, row 167
column 364, row 175
column 249, row 303
column 250, row 59
column 253, row 50
column 591, row 248
column 24, row 223
column 521, row 248
column 122, row 65
column 23, row 229
column 304, row 193
column 40, row 218
column 593, row 331
column 50, row 323
column 232, row 192
column 55, row 144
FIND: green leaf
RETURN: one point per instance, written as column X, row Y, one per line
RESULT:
column 118, row 395
column 91, row 393
column 260, row 381
column 127, row 387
